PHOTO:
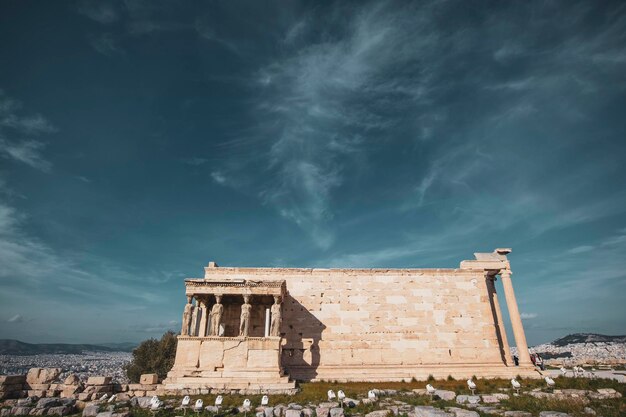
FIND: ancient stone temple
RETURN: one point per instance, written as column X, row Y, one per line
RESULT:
column 267, row 327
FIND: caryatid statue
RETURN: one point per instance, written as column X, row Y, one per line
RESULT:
column 216, row 316
column 244, row 323
column 187, row 314
column 276, row 317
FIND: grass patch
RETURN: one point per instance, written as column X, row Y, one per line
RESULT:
column 313, row 393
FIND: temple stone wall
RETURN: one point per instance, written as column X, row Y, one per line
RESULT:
column 379, row 318
column 348, row 325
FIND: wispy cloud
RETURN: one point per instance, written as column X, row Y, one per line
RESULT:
column 218, row 177
column 319, row 101
column 16, row 319
column 29, row 264
column 106, row 44
column 195, row 161
column 17, row 132
column 529, row 316
column 103, row 12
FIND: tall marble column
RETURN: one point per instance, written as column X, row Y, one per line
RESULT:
column 203, row 319
column 506, row 350
column 516, row 320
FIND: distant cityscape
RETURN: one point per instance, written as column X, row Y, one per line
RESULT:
column 83, row 365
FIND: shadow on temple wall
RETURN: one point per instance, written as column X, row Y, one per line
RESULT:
column 302, row 332
column 492, row 294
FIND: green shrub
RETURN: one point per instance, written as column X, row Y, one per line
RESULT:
column 153, row 356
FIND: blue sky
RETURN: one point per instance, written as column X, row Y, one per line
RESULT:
column 141, row 139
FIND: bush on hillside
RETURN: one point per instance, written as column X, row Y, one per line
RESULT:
column 153, row 356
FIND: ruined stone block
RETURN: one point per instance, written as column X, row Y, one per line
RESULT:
column 99, row 380
column 149, row 379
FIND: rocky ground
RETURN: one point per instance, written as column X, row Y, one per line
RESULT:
column 99, row 397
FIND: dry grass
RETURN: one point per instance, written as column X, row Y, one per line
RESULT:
column 316, row 392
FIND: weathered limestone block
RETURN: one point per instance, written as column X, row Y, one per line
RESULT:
column 102, row 389
column 553, row 414
column 21, row 411
column 514, row 413
column 42, row 375
column 39, row 387
column 378, row 413
column 445, row 395
column 293, row 413
column 604, row 393
column 149, row 379
column 490, row 399
column 123, row 396
column 48, row 402
column 36, row 393
column 11, row 387
column 61, row 410
column 72, row 379
column 490, row 410
column 71, row 390
column 143, row 402
column 12, row 379
column 428, row 411
column 461, row 412
column 321, row 411
column 99, row 380
column 336, row 412
column 91, row 410
column 467, row 399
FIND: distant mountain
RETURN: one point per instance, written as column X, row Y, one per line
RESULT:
column 121, row 347
column 588, row 338
column 15, row 347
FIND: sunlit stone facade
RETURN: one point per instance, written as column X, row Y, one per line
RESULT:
column 346, row 324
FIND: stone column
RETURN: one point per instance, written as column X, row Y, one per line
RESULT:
column 506, row 350
column 244, row 320
column 516, row 320
column 194, row 320
column 276, row 317
column 187, row 314
column 203, row 319
column 267, row 322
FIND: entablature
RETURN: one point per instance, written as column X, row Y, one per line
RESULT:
column 194, row 286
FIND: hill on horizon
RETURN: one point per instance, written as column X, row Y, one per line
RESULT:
column 588, row 338
column 16, row 347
